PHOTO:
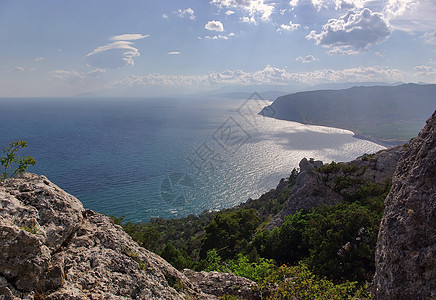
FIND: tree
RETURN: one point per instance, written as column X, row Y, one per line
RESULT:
column 12, row 159
column 229, row 232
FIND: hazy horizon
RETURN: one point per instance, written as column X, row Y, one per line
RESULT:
column 138, row 48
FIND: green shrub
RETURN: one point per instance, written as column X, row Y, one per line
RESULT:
column 298, row 282
column 13, row 164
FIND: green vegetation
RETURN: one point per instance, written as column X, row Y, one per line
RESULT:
column 298, row 282
column 389, row 115
column 33, row 230
column 319, row 251
column 395, row 130
column 12, row 164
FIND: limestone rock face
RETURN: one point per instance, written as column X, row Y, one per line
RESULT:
column 406, row 245
column 36, row 218
column 220, row 284
column 50, row 246
column 315, row 188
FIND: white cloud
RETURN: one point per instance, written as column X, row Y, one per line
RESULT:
column 69, row 76
column 353, row 32
column 116, row 54
column 214, row 26
column 269, row 75
column 250, row 20
column 95, row 73
column 430, row 37
column 290, row 27
column 294, row 3
column 252, row 7
column 165, row 16
column 219, row 37
column 395, row 8
column 229, row 12
column 18, row 69
column 425, row 71
column 174, row 53
column 76, row 77
column 349, row 4
column 412, row 16
column 39, row 58
column 306, row 59
column 186, row 13
column 128, row 37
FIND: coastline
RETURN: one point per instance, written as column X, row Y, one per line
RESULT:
column 388, row 143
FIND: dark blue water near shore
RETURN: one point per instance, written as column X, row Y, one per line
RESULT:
column 140, row 157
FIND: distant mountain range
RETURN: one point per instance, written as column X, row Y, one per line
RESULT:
column 388, row 115
column 272, row 92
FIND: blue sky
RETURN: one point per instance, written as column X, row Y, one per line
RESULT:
column 148, row 48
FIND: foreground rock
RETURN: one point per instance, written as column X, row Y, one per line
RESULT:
column 221, row 284
column 406, row 246
column 316, row 186
column 50, row 246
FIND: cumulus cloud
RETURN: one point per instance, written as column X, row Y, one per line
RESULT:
column 165, row 16
column 425, row 71
column 250, row 20
column 336, row 4
column 395, row 8
column 252, row 7
column 269, row 75
column 39, row 58
column 214, row 26
column 353, row 32
column 229, row 12
column 186, row 13
column 118, row 53
column 306, row 59
column 290, row 27
column 174, row 53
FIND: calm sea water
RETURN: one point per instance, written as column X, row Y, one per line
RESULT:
column 145, row 158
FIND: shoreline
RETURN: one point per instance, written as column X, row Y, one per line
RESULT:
column 356, row 134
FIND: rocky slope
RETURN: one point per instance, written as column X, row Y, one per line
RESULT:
column 319, row 184
column 406, row 245
column 51, row 247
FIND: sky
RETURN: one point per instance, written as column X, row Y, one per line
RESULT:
column 59, row 48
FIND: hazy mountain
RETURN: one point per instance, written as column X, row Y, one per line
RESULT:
column 386, row 114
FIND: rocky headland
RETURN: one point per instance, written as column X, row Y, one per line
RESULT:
column 53, row 248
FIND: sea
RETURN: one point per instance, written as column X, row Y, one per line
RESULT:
column 166, row 157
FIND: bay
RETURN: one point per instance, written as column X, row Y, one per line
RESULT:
column 165, row 157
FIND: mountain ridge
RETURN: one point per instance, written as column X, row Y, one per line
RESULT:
column 387, row 115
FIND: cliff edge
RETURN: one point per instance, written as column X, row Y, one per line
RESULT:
column 406, row 245
column 51, row 247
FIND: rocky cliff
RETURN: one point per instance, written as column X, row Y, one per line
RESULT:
column 318, row 184
column 406, row 245
column 53, row 248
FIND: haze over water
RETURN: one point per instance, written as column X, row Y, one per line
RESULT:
column 166, row 157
